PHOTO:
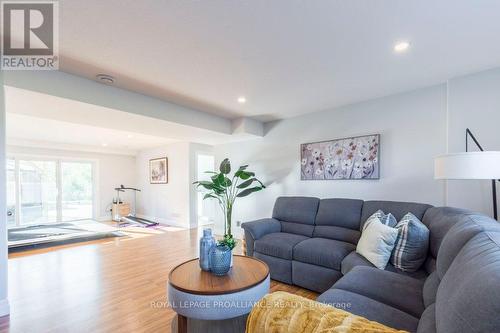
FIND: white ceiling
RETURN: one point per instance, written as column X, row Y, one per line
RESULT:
column 41, row 120
column 288, row 57
column 26, row 130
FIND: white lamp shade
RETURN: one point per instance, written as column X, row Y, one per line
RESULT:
column 471, row 165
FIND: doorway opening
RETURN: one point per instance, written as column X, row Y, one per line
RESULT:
column 205, row 209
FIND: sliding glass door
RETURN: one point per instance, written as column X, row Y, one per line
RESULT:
column 11, row 193
column 37, row 192
column 41, row 191
column 77, row 191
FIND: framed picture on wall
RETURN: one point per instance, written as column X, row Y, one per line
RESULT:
column 348, row 158
column 158, row 171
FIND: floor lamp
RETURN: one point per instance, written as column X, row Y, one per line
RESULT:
column 471, row 165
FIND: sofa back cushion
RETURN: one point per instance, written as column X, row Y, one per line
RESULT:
column 451, row 229
column 396, row 208
column 466, row 226
column 439, row 220
column 339, row 219
column 297, row 214
column 468, row 297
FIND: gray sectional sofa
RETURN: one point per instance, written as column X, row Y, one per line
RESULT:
column 311, row 243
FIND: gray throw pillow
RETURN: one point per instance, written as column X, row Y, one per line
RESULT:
column 386, row 219
column 410, row 250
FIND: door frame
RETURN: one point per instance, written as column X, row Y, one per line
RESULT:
column 197, row 154
column 58, row 160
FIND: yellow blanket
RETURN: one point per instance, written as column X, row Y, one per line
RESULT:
column 281, row 312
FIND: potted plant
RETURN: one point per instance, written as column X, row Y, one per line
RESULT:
column 226, row 190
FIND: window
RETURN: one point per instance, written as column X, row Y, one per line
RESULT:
column 43, row 191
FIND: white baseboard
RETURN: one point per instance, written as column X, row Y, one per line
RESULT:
column 4, row 307
column 104, row 218
column 162, row 221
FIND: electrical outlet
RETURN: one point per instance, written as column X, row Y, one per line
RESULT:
column 238, row 223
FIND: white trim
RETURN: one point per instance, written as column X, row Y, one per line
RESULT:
column 163, row 221
column 4, row 307
column 104, row 218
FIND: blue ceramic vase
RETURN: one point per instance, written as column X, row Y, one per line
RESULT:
column 207, row 242
column 220, row 260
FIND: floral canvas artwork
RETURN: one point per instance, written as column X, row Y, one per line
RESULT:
column 349, row 158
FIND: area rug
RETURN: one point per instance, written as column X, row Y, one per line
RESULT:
column 24, row 238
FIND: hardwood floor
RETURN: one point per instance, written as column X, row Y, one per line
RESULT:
column 109, row 285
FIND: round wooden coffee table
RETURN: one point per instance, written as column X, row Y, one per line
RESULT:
column 194, row 293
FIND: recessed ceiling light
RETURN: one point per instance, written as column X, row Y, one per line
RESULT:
column 401, row 46
column 105, row 78
column 242, row 100
column 130, row 136
column 104, row 144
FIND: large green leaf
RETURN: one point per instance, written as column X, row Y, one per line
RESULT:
column 244, row 174
column 210, row 185
column 249, row 191
column 226, row 182
column 210, row 195
column 205, row 183
column 225, row 166
column 261, row 184
column 246, row 183
column 218, row 179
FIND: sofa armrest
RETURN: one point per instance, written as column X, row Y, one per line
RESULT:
column 257, row 229
column 261, row 227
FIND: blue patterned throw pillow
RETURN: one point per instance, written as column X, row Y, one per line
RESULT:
column 410, row 249
column 387, row 219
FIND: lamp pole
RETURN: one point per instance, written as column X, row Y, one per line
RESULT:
column 493, row 181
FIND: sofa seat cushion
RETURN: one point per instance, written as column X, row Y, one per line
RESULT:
column 398, row 291
column 369, row 308
column 322, row 252
column 278, row 244
column 430, row 288
column 427, row 323
column 355, row 259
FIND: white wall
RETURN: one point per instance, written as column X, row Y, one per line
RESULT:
column 4, row 304
column 474, row 102
column 165, row 203
column 112, row 170
column 412, row 128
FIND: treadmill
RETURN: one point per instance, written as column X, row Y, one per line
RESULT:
column 131, row 217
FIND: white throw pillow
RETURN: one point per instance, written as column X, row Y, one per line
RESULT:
column 377, row 242
column 387, row 219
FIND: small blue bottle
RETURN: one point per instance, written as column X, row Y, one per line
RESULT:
column 206, row 243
